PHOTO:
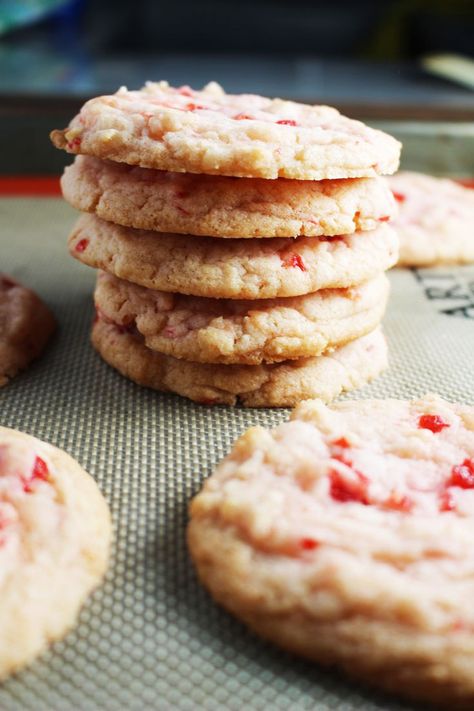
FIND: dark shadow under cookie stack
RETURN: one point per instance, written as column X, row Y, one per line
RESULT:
column 240, row 254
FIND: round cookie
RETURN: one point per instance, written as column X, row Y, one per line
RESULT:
column 435, row 222
column 245, row 332
column 212, row 132
column 233, row 269
column 346, row 536
column 55, row 536
column 270, row 385
column 217, row 206
column 26, row 325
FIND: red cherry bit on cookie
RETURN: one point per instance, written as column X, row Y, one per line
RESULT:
column 40, row 471
column 309, row 544
column 287, row 122
column 462, row 475
column 344, row 489
column 81, row 245
column 398, row 502
column 399, row 196
column 74, row 143
column 435, row 423
column 446, row 501
column 293, row 260
column 243, row 117
column 341, row 442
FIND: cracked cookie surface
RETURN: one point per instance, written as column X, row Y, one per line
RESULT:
column 54, row 545
column 215, row 133
column 218, row 206
column 267, row 385
column 246, row 332
column 234, row 268
column 345, row 535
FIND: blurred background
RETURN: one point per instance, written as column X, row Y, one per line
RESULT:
column 394, row 63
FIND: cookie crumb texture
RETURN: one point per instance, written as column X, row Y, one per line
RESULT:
column 54, row 545
column 245, row 332
column 211, row 132
column 346, row 536
column 234, row 268
column 26, row 325
column 267, row 385
column 435, row 221
column 222, row 207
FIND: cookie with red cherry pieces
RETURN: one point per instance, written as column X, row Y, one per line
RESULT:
column 54, row 545
column 219, row 206
column 245, row 332
column 212, row 132
column 346, row 536
column 435, row 222
column 26, row 325
column 233, row 268
column 267, row 385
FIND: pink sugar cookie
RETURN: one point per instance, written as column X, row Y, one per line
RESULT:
column 345, row 535
column 435, row 222
column 54, row 545
column 212, row 132
column 233, row 268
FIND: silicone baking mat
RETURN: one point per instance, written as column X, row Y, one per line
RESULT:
column 151, row 638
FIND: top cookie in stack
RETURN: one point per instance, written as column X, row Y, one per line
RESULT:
column 295, row 193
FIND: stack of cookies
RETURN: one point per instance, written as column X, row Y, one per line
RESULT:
column 241, row 242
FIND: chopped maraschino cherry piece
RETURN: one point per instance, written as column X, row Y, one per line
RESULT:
column 287, row 122
column 194, row 107
column 343, row 489
column 82, row 245
column 308, row 544
column 462, row 475
column 75, row 143
column 385, row 218
column 293, row 260
column 39, row 471
column 341, row 442
column 398, row 502
column 243, row 117
column 399, row 196
column 446, row 501
column 435, row 423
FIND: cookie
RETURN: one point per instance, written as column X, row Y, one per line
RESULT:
column 26, row 325
column 218, row 206
column 269, row 385
column 233, row 269
column 245, row 332
column 435, row 221
column 346, row 535
column 215, row 133
column 55, row 537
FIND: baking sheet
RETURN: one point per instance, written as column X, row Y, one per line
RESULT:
column 151, row 638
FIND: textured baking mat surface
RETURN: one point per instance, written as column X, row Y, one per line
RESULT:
column 151, row 638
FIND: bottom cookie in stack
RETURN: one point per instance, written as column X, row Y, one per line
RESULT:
column 267, row 385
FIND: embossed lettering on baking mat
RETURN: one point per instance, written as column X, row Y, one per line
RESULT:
column 451, row 291
column 151, row 638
